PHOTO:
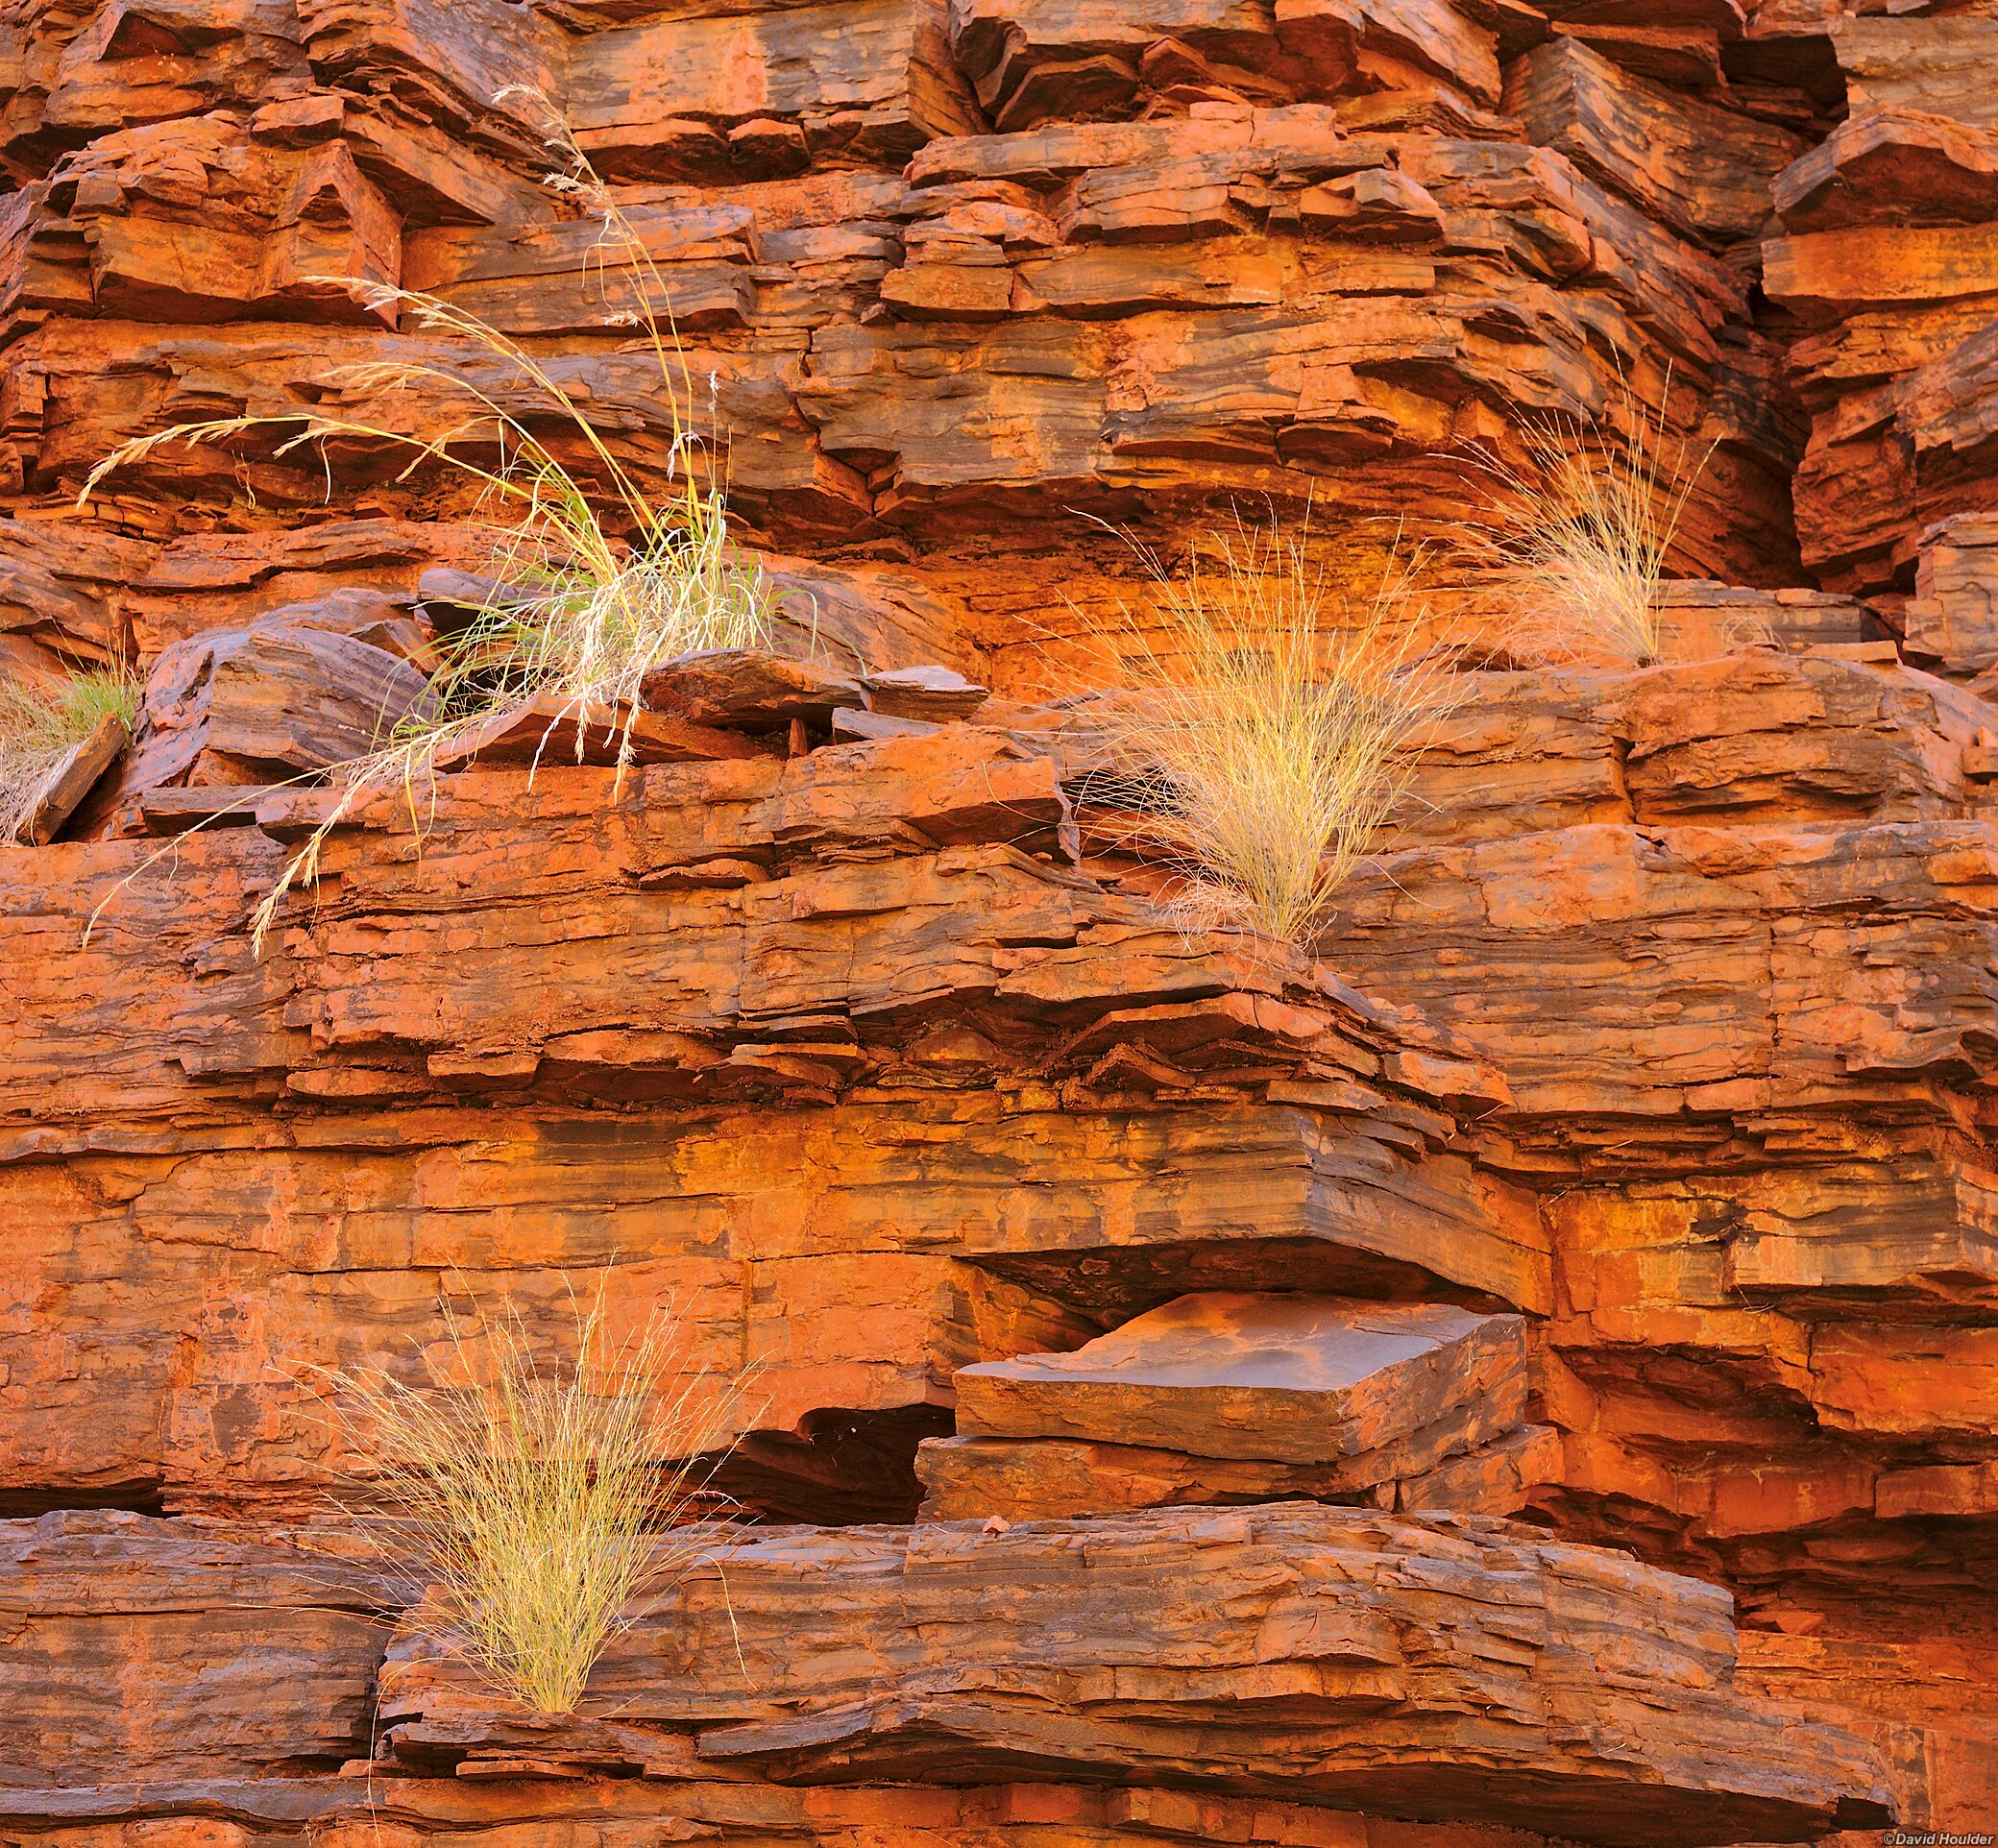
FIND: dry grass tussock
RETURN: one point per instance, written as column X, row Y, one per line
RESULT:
column 533, row 1501
column 616, row 578
column 1271, row 719
column 41, row 716
column 1574, row 559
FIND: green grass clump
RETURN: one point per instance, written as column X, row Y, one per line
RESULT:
column 42, row 716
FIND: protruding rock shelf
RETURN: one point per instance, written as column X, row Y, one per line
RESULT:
column 1231, row 1397
column 1424, row 1667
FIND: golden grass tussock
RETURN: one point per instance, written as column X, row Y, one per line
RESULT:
column 532, row 1501
column 1573, row 558
column 586, row 640
column 601, row 577
column 1272, row 720
column 41, row 717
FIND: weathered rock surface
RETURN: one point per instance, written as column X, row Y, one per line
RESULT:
column 786, row 1146
column 1885, row 260
column 259, row 705
column 71, row 778
column 1291, row 1378
column 1343, row 1396
column 903, row 256
column 816, row 1033
column 1661, row 1038
column 1953, row 619
column 1351, row 1660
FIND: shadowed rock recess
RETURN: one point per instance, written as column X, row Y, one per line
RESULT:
column 1528, row 1373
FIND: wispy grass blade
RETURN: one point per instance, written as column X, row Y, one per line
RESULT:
column 1574, row 560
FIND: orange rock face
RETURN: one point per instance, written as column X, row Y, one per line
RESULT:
column 1526, row 1372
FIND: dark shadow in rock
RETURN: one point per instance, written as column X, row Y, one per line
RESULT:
column 146, row 1496
column 837, row 1468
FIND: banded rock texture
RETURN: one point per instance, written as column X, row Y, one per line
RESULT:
column 1426, row 1667
column 753, row 1046
column 1655, row 1048
column 1273, row 1396
column 1883, row 258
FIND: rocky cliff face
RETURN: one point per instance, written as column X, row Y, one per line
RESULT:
column 1531, row 1372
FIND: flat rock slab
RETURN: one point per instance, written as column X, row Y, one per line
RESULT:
column 73, row 777
column 1046, row 1478
column 858, row 725
column 1426, row 1667
column 553, row 731
column 1041, row 1479
column 926, row 692
column 204, row 805
column 1293, row 1378
column 1699, row 620
column 748, row 689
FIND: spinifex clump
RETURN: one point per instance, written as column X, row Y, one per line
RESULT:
column 533, row 1499
column 1271, row 715
column 598, row 578
column 1577, row 554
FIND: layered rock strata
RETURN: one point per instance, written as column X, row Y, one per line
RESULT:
column 819, row 1032
column 1347, row 1661
column 1243, row 1397
column 1645, row 1076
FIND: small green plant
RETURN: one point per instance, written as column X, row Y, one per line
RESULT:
column 1272, row 718
column 532, row 1501
column 1574, row 559
column 41, row 717
column 598, row 579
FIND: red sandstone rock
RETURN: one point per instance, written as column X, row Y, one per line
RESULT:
column 72, row 777
column 747, row 948
column 1888, row 260
column 263, row 704
column 748, row 690
column 1695, row 166
column 877, row 1056
column 1603, row 1687
column 549, row 729
column 1228, row 1398
column 963, row 1639
column 1950, row 619
column 1286, row 1378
